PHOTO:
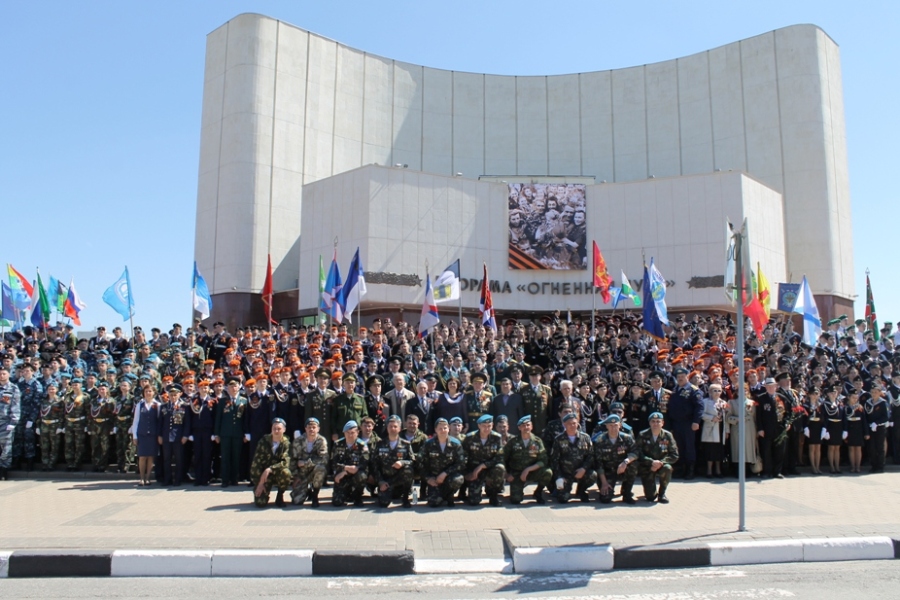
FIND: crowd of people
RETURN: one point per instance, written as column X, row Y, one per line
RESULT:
column 463, row 414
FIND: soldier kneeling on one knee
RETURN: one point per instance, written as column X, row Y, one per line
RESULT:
column 616, row 456
column 393, row 465
column 658, row 453
column 271, row 466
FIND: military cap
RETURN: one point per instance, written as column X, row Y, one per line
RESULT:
column 480, row 376
column 394, row 418
column 348, row 377
column 834, row 322
column 312, row 420
column 657, row 374
column 656, row 415
column 680, row 371
column 456, row 420
column 505, row 380
column 523, row 420
column 127, row 362
column 322, row 372
column 279, row 420
column 66, row 374
column 616, row 406
column 485, row 419
column 175, row 388
column 145, row 376
column 860, row 321
column 103, row 384
column 536, row 370
column 232, row 379
column 781, row 376
column 502, row 419
column 440, row 421
column 351, row 424
column 569, row 417
column 374, row 379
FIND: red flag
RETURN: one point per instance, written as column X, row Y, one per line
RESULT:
column 267, row 291
column 601, row 275
column 754, row 309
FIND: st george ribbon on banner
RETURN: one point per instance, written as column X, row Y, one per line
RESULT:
column 119, row 298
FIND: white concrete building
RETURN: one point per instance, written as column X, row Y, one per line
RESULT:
column 289, row 117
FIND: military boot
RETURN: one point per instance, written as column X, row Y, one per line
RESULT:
column 539, row 495
column 314, row 499
column 661, row 498
column 627, row 494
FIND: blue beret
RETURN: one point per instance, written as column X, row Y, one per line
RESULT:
column 312, row 420
column 569, row 417
column 680, row 371
column 394, row 418
column 656, row 415
column 351, row 424
column 612, row 419
column 485, row 419
column 440, row 421
column 77, row 380
column 456, row 420
column 523, row 420
column 279, row 420
column 616, row 405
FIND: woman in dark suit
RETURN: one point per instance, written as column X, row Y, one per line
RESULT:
column 146, row 433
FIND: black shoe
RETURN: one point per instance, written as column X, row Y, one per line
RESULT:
column 649, row 497
column 494, row 500
column 29, row 464
column 662, row 499
column 539, row 495
column 3, row 474
column 629, row 499
column 406, row 502
column 358, row 501
column 450, row 502
column 689, row 476
column 584, row 497
column 779, row 476
column 279, row 500
column 314, row 499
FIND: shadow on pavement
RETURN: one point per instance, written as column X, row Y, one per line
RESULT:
column 527, row 584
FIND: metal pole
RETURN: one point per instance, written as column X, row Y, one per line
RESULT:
column 460, row 294
column 742, row 400
column 591, row 331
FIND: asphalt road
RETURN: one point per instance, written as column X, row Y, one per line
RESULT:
column 818, row 581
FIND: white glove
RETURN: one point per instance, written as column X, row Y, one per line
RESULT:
column 212, row 438
column 113, row 432
column 247, row 436
column 873, row 426
column 560, row 483
column 806, row 431
column 28, row 424
column 191, row 438
column 844, row 435
column 37, row 431
column 822, row 434
column 826, row 435
column 60, row 430
column 890, row 424
column 10, row 427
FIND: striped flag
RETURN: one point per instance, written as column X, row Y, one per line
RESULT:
column 486, row 303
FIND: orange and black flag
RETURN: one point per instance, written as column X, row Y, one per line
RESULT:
column 602, row 279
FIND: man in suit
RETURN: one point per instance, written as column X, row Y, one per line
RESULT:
column 397, row 398
column 507, row 402
column 420, row 405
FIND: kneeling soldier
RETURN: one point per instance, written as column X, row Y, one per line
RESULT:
column 526, row 461
column 271, row 465
column 442, row 460
column 349, row 463
column 484, row 462
column 572, row 459
column 309, row 464
column 616, row 456
column 393, row 465
column 658, row 452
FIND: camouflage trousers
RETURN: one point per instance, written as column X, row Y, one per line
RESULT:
column 581, row 485
column 74, row 448
column 542, row 477
column 24, row 441
column 50, row 443
column 100, row 438
column 308, row 478
column 279, row 478
column 444, row 492
column 399, row 485
column 626, row 479
column 490, row 480
column 6, row 438
column 349, row 488
column 124, row 445
column 648, row 480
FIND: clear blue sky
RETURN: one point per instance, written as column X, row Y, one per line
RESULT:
column 100, row 112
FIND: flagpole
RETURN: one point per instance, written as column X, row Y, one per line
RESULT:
column 592, row 330
column 460, row 293
column 742, row 399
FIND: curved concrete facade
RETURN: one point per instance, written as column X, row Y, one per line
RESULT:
column 283, row 107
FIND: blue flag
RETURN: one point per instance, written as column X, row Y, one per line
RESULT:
column 53, row 292
column 658, row 292
column 9, row 310
column 354, row 288
column 652, row 323
column 118, row 296
column 200, row 292
column 331, row 300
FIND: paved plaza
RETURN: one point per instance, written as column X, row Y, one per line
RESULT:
column 81, row 513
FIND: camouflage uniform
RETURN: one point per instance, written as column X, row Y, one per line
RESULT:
column 566, row 458
column 350, row 487
column 51, row 423
column 417, row 440
column 517, row 456
column 536, row 404
column 124, row 413
column 24, row 442
column 102, row 420
column 490, row 454
column 399, row 480
column 309, row 477
column 76, row 417
column 663, row 449
column 278, row 461
column 433, row 461
column 9, row 417
column 608, row 455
